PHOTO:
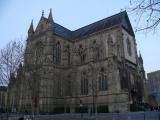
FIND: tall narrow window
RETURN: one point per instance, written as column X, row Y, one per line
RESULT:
column 123, row 78
column 83, row 58
column 38, row 53
column 96, row 51
column 68, row 54
column 59, row 88
column 129, row 49
column 82, row 54
column 84, row 84
column 68, row 90
column 102, row 80
column 57, row 53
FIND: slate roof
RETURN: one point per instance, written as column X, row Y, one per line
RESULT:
column 117, row 19
column 62, row 31
column 3, row 88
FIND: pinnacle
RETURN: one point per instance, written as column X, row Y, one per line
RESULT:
column 50, row 18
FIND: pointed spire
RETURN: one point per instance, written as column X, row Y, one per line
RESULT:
column 139, row 53
column 140, row 57
column 31, row 26
column 31, row 29
column 50, row 21
column 42, row 13
column 50, row 18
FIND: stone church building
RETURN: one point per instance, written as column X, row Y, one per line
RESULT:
column 95, row 68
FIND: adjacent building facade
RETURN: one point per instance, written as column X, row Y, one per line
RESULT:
column 95, row 67
column 3, row 98
column 154, row 87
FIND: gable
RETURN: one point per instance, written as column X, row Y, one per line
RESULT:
column 42, row 25
column 127, row 25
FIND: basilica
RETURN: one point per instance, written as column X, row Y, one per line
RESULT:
column 94, row 69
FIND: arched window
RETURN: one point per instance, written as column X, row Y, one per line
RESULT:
column 129, row 49
column 84, row 84
column 38, row 53
column 57, row 53
column 102, row 80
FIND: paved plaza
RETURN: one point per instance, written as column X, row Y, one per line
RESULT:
column 105, row 116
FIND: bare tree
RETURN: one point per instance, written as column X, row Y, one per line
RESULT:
column 10, row 58
column 147, row 14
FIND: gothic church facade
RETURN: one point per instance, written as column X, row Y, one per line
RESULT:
column 95, row 67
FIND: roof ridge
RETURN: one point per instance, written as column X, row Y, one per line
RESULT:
column 100, row 20
column 63, row 26
column 95, row 26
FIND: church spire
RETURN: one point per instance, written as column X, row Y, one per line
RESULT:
column 31, row 30
column 50, row 21
column 50, row 18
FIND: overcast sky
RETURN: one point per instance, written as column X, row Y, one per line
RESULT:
column 16, row 16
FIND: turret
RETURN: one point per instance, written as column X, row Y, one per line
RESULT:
column 30, row 30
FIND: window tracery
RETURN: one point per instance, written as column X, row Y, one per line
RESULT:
column 102, row 80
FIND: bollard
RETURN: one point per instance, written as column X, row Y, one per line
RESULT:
column 129, row 117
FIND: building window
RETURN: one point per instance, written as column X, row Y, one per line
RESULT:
column 82, row 54
column 103, row 81
column 57, row 53
column 98, row 55
column 129, row 49
column 68, row 54
column 97, row 52
column 38, row 53
column 68, row 90
column 123, row 78
column 83, row 58
column 84, row 84
column 59, row 88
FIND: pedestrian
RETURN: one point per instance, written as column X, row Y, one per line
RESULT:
column 21, row 117
column 26, row 115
